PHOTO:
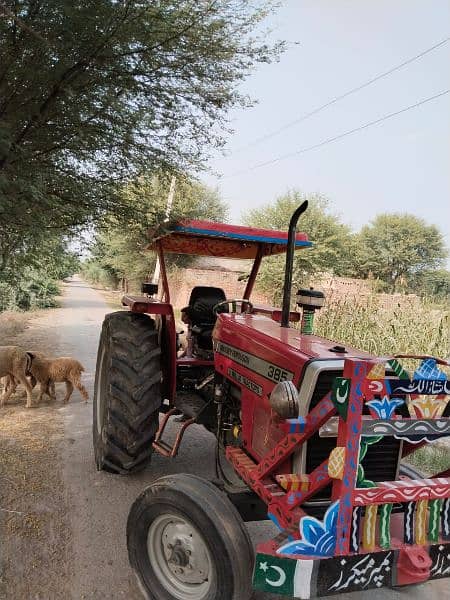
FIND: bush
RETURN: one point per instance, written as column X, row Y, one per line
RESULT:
column 36, row 292
column 7, row 297
column 31, row 291
column 29, row 278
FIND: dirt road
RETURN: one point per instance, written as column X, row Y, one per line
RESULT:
column 89, row 529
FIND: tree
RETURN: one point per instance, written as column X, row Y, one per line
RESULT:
column 398, row 248
column 120, row 251
column 433, row 283
column 333, row 244
column 92, row 94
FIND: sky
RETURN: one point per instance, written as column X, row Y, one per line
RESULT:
column 400, row 165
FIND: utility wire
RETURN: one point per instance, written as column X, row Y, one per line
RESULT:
column 341, row 97
column 340, row 136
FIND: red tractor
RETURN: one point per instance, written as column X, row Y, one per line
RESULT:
column 310, row 433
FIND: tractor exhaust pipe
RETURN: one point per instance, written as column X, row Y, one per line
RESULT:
column 287, row 287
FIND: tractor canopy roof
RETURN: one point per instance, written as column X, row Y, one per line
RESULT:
column 206, row 238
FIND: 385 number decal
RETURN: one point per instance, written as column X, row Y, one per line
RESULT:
column 276, row 374
column 253, row 363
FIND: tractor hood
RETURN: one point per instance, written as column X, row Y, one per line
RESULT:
column 260, row 336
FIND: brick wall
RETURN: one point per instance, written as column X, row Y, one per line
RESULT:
column 336, row 288
column 183, row 280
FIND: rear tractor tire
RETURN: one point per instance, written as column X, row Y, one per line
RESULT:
column 186, row 541
column 127, row 395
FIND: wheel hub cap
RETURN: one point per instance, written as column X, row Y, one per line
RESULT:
column 180, row 557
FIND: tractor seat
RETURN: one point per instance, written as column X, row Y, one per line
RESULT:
column 200, row 313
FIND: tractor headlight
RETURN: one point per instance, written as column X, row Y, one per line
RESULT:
column 284, row 400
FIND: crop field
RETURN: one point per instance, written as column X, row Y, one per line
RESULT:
column 431, row 459
column 386, row 325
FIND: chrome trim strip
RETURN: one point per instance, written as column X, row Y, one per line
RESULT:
column 307, row 387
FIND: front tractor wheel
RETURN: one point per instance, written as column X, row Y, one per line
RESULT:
column 186, row 541
column 127, row 395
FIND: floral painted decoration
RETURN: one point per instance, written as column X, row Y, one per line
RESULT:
column 427, row 407
column 385, row 408
column 318, row 538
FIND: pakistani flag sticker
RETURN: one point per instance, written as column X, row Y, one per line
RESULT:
column 283, row 576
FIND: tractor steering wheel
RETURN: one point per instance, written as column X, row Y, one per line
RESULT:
column 233, row 302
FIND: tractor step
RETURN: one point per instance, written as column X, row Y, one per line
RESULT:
column 188, row 407
column 163, row 447
column 189, row 404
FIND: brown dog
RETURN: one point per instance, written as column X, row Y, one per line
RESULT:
column 65, row 369
column 15, row 363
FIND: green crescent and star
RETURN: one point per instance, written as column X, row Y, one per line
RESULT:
column 274, row 574
column 340, row 395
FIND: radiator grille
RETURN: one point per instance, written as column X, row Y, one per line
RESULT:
column 380, row 462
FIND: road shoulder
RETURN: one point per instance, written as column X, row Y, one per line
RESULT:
column 35, row 531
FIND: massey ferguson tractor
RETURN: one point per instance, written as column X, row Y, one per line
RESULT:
column 310, row 433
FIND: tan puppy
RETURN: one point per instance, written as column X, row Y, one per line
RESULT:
column 64, row 369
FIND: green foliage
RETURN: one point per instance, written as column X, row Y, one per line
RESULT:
column 398, row 249
column 7, row 296
column 94, row 93
column 334, row 246
column 32, row 290
column 103, row 276
column 30, row 278
column 395, row 252
column 119, row 249
column 433, row 283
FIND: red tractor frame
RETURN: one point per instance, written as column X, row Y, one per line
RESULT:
column 309, row 433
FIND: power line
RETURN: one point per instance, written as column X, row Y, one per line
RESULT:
column 340, row 136
column 341, row 96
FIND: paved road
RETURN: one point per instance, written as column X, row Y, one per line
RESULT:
column 99, row 502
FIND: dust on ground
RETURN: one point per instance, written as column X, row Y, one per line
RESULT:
column 34, row 524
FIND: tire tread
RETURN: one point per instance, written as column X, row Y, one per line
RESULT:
column 133, row 395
